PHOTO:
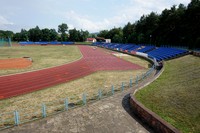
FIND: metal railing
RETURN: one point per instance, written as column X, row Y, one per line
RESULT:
column 17, row 117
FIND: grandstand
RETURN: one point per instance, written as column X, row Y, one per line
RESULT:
column 146, row 49
column 162, row 53
column 158, row 53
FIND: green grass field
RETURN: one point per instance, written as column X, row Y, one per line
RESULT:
column 43, row 56
column 84, row 43
column 175, row 95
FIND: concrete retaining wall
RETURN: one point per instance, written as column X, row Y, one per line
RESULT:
column 149, row 117
column 196, row 53
column 142, row 54
column 152, row 119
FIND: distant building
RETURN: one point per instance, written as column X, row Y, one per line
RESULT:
column 91, row 40
column 101, row 39
column 108, row 40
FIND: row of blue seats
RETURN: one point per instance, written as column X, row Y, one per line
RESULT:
column 126, row 47
column 160, row 53
column 146, row 49
column 115, row 46
column 163, row 53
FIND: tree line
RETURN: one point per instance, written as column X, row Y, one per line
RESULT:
column 37, row 34
column 177, row 26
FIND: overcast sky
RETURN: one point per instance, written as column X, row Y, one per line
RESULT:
column 91, row 15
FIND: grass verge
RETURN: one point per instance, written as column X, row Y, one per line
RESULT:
column 175, row 95
column 84, row 43
column 89, row 84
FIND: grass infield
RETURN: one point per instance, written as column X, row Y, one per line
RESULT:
column 42, row 56
column 175, row 95
column 83, row 43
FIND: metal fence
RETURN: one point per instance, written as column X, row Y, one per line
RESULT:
column 5, row 42
column 17, row 117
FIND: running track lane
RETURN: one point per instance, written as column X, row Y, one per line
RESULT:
column 93, row 60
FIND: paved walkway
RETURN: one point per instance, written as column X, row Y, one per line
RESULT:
column 109, row 115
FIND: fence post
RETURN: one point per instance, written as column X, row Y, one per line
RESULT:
column 122, row 86
column 16, row 118
column 84, row 99
column 113, row 90
column 143, row 75
column 99, row 93
column 136, row 81
column 44, row 114
column 130, row 84
column 150, row 71
column 147, row 73
column 9, row 42
column 66, row 104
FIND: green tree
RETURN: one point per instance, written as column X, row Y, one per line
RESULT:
column 83, row 35
column 6, row 34
column 23, row 35
column 63, row 28
column 114, row 34
column 145, row 28
column 128, row 33
column 103, row 33
column 35, row 34
column 45, row 34
column 74, row 35
column 78, row 36
column 192, row 20
column 16, row 37
column 118, row 38
column 53, row 35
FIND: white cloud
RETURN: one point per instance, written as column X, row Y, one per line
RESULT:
column 185, row 2
column 5, row 24
column 81, row 14
column 127, row 13
column 124, row 13
column 157, row 4
column 84, row 22
column 4, row 21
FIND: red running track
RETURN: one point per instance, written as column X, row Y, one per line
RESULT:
column 93, row 60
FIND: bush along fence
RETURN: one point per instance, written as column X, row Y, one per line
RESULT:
column 17, row 117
